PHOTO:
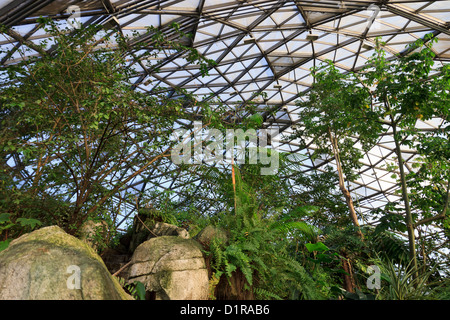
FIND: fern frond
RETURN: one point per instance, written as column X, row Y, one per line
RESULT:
column 286, row 227
column 304, row 282
column 250, row 246
column 393, row 247
column 259, row 264
column 216, row 253
column 229, row 269
column 263, row 294
column 238, row 258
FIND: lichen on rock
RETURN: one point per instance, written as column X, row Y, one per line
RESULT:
column 40, row 264
column 171, row 267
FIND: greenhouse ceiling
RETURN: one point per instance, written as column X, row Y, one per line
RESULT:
column 259, row 46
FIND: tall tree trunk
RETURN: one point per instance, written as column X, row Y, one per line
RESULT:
column 344, row 190
column 349, row 282
column 408, row 215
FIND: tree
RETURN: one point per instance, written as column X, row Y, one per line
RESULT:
column 345, row 114
column 77, row 128
column 404, row 91
column 333, row 113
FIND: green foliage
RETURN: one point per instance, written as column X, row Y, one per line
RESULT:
column 135, row 289
column 407, row 88
column 79, row 132
column 406, row 91
column 140, row 290
column 400, row 283
column 387, row 96
column 257, row 246
column 165, row 207
column 319, row 246
column 337, row 107
column 4, row 244
column 391, row 221
column 77, row 128
column 393, row 247
column 13, row 224
column 290, row 223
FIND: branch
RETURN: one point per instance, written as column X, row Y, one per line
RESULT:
column 439, row 216
column 122, row 268
column 122, row 183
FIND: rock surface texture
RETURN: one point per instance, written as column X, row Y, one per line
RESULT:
column 91, row 231
column 206, row 235
column 171, row 268
column 166, row 229
column 49, row 264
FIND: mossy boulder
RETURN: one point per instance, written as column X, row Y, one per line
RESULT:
column 171, row 268
column 49, row 264
column 166, row 229
column 206, row 235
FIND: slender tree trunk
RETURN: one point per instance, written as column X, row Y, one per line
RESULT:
column 345, row 192
column 405, row 197
column 349, row 282
column 348, row 275
column 233, row 179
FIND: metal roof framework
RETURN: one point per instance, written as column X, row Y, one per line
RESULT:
column 259, row 46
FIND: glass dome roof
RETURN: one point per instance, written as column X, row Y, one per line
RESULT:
column 259, row 46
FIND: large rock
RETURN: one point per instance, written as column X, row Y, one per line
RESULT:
column 145, row 230
column 171, row 268
column 49, row 264
column 206, row 235
column 94, row 233
column 166, row 229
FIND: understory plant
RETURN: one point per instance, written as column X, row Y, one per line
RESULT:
column 258, row 247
